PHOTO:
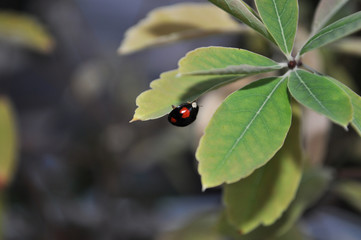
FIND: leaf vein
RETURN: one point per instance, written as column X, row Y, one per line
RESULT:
column 312, row 95
column 280, row 24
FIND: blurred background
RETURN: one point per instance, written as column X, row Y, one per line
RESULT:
column 84, row 172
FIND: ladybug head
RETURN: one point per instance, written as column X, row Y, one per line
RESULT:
column 194, row 105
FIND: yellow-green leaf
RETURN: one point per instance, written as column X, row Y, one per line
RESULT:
column 172, row 89
column 261, row 198
column 8, row 142
column 177, row 22
column 26, row 31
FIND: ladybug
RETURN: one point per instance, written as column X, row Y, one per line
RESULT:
column 184, row 114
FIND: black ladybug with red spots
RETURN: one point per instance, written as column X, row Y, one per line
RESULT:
column 184, row 114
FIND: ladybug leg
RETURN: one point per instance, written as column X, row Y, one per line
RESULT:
column 173, row 106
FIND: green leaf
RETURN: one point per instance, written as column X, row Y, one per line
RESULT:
column 261, row 198
column 333, row 32
column 325, row 10
column 222, row 60
column 24, row 30
column 321, row 95
column 245, row 13
column 172, row 89
column 177, row 22
column 350, row 191
column 356, row 105
column 280, row 18
column 245, row 132
column 8, row 142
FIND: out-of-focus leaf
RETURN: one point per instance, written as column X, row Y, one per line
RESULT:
column 245, row 132
column 350, row 191
column 221, row 61
column 26, row 31
column 333, row 32
column 8, row 142
column 349, row 46
column 321, row 95
column 261, row 198
column 356, row 105
column 280, row 18
column 177, row 22
column 172, row 89
column 325, row 10
column 245, row 13
column 314, row 183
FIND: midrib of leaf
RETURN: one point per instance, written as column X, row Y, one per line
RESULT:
column 251, row 122
column 313, row 96
column 249, row 19
column 236, row 69
column 230, row 7
column 280, row 24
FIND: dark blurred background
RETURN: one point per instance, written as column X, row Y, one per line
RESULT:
column 84, row 172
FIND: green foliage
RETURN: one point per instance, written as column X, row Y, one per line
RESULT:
column 280, row 18
column 241, row 144
column 356, row 105
column 333, row 32
column 245, row 132
column 321, row 95
column 220, row 60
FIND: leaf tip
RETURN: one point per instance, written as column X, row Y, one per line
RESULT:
column 134, row 119
column 122, row 50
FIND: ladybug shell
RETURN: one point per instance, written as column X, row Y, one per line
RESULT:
column 184, row 114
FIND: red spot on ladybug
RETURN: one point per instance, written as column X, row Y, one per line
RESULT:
column 184, row 114
column 173, row 120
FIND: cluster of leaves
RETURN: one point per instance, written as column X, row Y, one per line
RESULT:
column 252, row 142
